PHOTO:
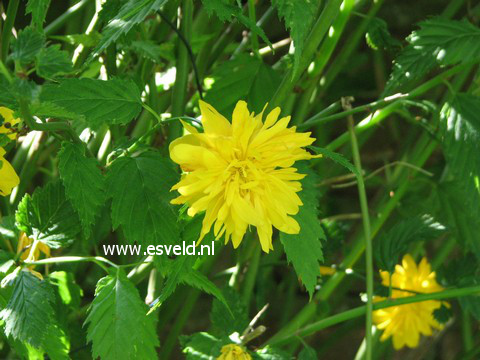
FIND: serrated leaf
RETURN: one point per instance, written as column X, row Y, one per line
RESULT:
column 338, row 158
column 201, row 346
column 245, row 77
column 222, row 319
column 463, row 272
column 378, row 36
column 460, row 131
column 153, row 51
column 197, row 280
column 88, row 40
column 83, row 181
column 29, row 313
column 51, row 62
column 68, row 291
column 38, row 9
column 304, row 250
column 117, row 323
column 48, row 216
column 395, row 242
column 225, row 12
column 131, row 13
column 28, row 44
column 99, row 101
column 437, row 42
column 140, row 192
column 308, row 353
column 49, row 110
column 299, row 16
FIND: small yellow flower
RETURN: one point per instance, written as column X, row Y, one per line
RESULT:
column 233, row 352
column 241, row 173
column 25, row 247
column 327, row 270
column 8, row 177
column 405, row 323
column 9, row 122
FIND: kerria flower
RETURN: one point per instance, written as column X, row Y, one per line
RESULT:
column 25, row 247
column 405, row 323
column 241, row 173
column 8, row 122
column 8, row 177
column 234, row 352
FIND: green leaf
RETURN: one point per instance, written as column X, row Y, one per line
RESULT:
column 29, row 313
column 56, row 344
column 48, row 216
column 437, row 42
column 83, row 181
column 395, row 242
column 153, row 51
column 201, row 346
column 140, row 192
column 197, row 280
column 100, row 102
column 308, row 353
column 271, row 353
column 245, row 77
column 463, row 272
column 51, row 62
column 299, row 16
column 117, row 323
column 222, row 319
column 69, row 292
column 88, row 40
column 338, row 158
column 304, row 250
column 44, row 110
column 132, row 13
column 460, row 131
column 28, row 44
column 378, row 37
column 225, row 12
column 38, row 9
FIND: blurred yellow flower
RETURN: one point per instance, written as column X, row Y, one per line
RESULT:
column 405, row 323
column 8, row 122
column 241, row 173
column 233, row 352
column 8, row 177
column 25, row 247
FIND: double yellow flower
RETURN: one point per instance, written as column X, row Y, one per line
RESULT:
column 8, row 177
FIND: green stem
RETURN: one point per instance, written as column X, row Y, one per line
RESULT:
column 467, row 335
column 314, row 39
column 62, row 19
column 251, row 276
column 73, row 259
column 361, row 310
column 8, row 26
column 368, row 238
column 5, row 72
column 252, row 16
column 179, row 93
column 318, row 119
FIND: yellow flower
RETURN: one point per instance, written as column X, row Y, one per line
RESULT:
column 25, row 247
column 8, row 177
column 8, row 122
column 233, row 352
column 241, row 173
column 405, row 323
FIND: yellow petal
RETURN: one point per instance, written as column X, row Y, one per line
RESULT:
column 8, row 177
column 213, row 122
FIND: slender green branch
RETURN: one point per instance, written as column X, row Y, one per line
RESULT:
column 72, row 259
column 361, row 310
column 367, row 233
column 318, row 119
column 252, row 16
column 8, row 26
column 62, row 19
column 5, row 72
